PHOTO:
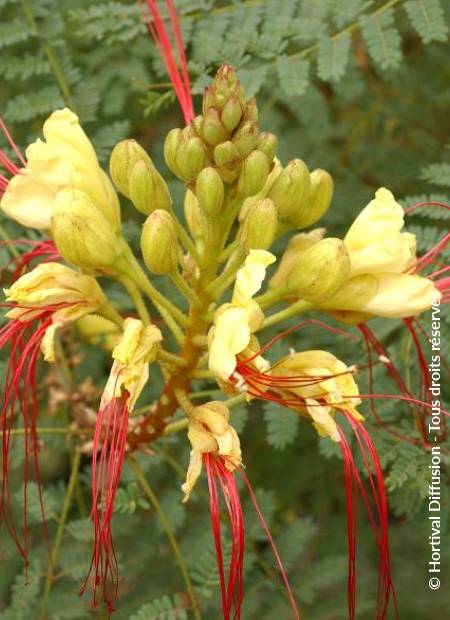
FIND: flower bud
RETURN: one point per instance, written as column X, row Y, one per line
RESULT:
column 320, row 271
column 225, row 85
column 82, row 234
column 295, row 248
column 251, row 111
column 193, row 214
column 122, row 161
column 159, row 243
column 232, row 113
column 209, row 191
column 290, row 187
column 268, row 144
column 172, row 144
column 148, row 190
column 317, row 202
column 228, row 161
column 254, row 173
column 246, row 138
column 259, row 227
column 191, row 158
column 196, row 125
column 213, row 131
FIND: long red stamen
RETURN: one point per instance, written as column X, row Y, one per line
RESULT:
column 177, row 71
column 272, row 544
column 380, row 521
column 232, row 588
column 20, row 394
column 108, row 456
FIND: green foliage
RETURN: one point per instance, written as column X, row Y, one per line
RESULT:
column 163, row 608
column 382, row 39
column 282, row 425
column 381, row 119
column 333, row 57
column 428, row 19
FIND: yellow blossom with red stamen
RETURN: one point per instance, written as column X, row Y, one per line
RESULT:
column 138, row 347
column 68, row 294
column 210, row 431
column 66, row 158
column 317, row 384
column 234, row 323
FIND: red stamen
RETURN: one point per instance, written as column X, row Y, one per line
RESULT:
column 370, row 457
column 12, row 143
column 162, row 41
column 20, row 390
column 272, row 544
column 43, row 251
column 110, row 442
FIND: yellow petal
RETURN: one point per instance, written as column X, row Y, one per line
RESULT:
column 193, row 473
column 249, row 278
column 230, row 335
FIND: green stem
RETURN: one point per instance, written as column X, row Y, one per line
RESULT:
column 221, row 283
column 51, row 56
column 185, row 239
column 59, row 534
column 109, row 312
column 169, row 533
column 185, row 289
column 171, row 358
column 138, row 301
column 270, row 297
column 176, row 427
column 296, row 308
column 228, row 251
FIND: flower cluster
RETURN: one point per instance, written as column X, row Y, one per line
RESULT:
column 239, row 200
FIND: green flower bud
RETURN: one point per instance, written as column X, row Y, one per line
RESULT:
column 82, row 234
column 251, row 111
column 209, row 190
column 232, row 113
column 224, row 86
column 258, row 230
column 320, row 271
column 172, row 144
column 246, row 138
column 228, row 161
column 290, row 187
column 193, row 214
column 148, row 190
column 159, row 243
column 254, row 173
column 197, row 125
column 268, row 144
column 191, row 158
column 317, row 202
column 98, row 331
column 213, row 131
column 297, row 245
column 123, row 158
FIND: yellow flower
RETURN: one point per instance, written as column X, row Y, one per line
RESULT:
column 60, row 290
column 375, row 242
column 209, row 431
column 138, row 347
column 65, row 158
column 380, row 257
column 325, row 384
column 390, row 295
column 235, row 322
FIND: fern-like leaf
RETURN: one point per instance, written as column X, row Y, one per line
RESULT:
column 382, row 39
column 164, row 608
column 293, row 73
column 282, row 425
column 333, row 57
column 427, row 17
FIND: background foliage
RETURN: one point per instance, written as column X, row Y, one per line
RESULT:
column 358, row 87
